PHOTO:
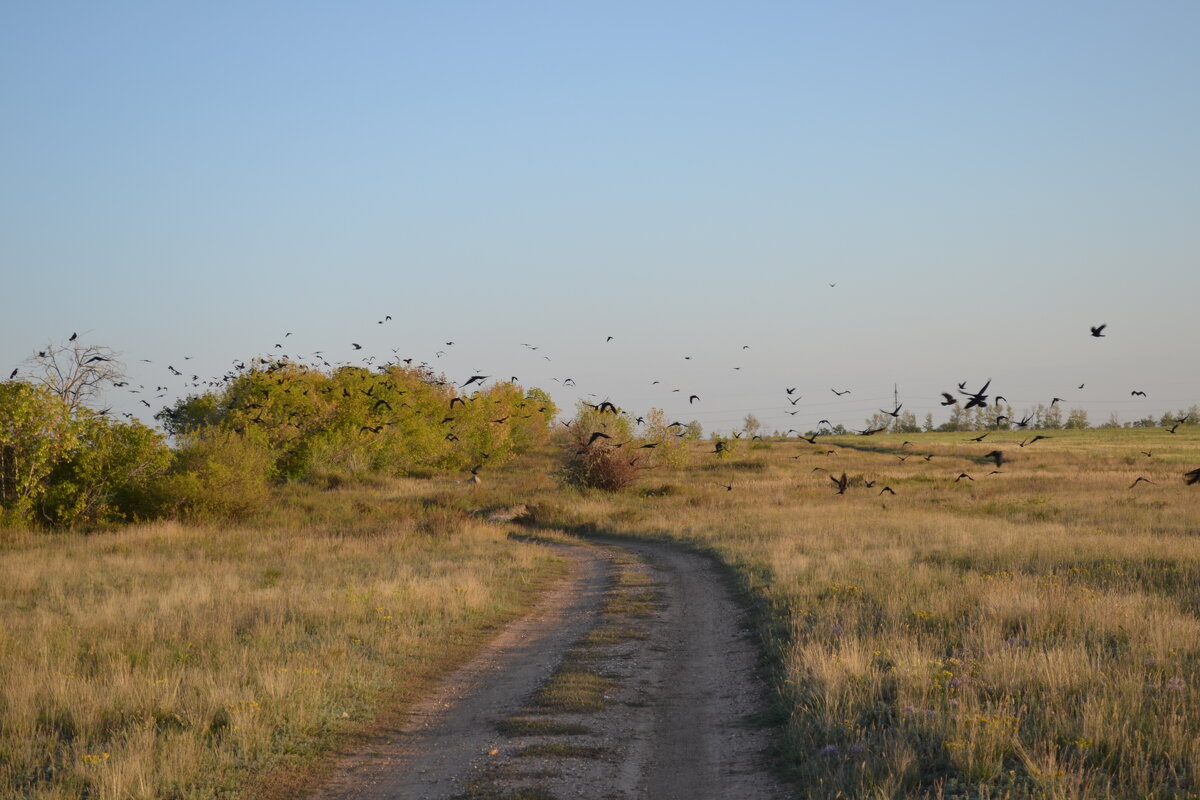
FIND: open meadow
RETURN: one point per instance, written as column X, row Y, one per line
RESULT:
column 1031, row 633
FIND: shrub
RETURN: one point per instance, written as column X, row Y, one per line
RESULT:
column 218, row 475
column 600, row 467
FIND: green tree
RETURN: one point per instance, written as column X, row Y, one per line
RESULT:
column 1077, row 419
column 751, row 425
column 36, row 432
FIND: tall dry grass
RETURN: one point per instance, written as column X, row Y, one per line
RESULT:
column 1032, row 633
column 171, row 661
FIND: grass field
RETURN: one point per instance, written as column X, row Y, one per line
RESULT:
column 202, row 662
column 1033, row 633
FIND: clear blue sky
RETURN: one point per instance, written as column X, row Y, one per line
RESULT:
column 982, row 181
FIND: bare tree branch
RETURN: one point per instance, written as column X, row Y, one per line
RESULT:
column 76, row 372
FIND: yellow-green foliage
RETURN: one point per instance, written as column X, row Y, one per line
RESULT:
column 217, row 474
column 63, row 467
column 171, row 661
column 354, row 421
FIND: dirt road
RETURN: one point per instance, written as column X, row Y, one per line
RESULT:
column 634, row 678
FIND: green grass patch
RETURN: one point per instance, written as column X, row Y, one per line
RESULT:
column 573, row 687
column 561, row 750
column 522, row 726
column 632, row 604
column 611, row 634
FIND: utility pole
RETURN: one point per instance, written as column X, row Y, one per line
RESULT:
column 895, row 395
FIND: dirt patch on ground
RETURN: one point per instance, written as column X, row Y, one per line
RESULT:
column 634, row 678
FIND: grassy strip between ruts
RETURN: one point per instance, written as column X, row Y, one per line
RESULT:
column 175, row 661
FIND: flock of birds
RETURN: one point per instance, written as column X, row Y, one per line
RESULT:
column 969, row 400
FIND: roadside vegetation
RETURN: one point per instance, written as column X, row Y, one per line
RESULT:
column 307, row 553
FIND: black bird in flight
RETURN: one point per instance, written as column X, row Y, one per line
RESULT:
column 693, row 399
column 1024, row 422
column 950, row 399
column 824, row 422
column 1097, row 331
column 1055, row 400
column 1034, row 439
column 14, row 374
column 996, row 456
column 887, row 489
column 841, row 483
column 978, row 438
column 1081, row 385
column 74, row 336
column 1146, row 453
column 894, row 413
column 1137, row 392
column 1176, row 425
column 962, row 475
column 475, row 378
column 597, row 435
column 794, row 400
column 791, row 390
column 869, row 431
column 1140, row 480
column 1192, row 478
column 726, row 486
column 720, row 447
column 839, row 394
column 977, row 398
column 813, row 440
column 356, row 345
column 609, row 339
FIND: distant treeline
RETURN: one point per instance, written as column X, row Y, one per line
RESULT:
column 62, row 464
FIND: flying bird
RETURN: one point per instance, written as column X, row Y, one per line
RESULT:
column 887, row 489
column 791, row 390
column 693, row 399
column 74, row 336
column 841, row 483
column 1136, row 392
column 726, row 486
column 356, row 345
column 839, row 394
column 1140, row 480
column 1097, row 330
column 597, row 435
column 894, row 413
column 14, row 374
column 1034, row 439
column 977, row 398
column 950, row 399
column 475, row 378
column 996, row 456
column 1192, row 478
column 962, row 475
column 609, row 339
column 978, row 438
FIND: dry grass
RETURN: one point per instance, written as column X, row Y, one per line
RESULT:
column 1033, row 633
column 169, row 661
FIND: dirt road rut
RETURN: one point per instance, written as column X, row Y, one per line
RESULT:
column 634, row 678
